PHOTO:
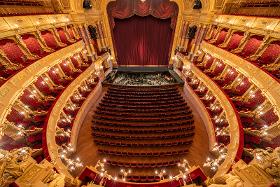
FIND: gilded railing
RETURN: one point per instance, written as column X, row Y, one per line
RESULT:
column 10, row 90
column 269, row 86
column 51, row 123
column 235, row 147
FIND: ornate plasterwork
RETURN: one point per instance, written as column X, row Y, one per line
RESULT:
column 233, row 121
column 185, row 9
column 58, row 107
column 269, row 86
column 10, row 90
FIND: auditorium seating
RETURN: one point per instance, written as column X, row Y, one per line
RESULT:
column 262, row 51
column 254, row 108
column 50, row 40
column 18, row 52
column 234, row 41
column 220, row 38
column 34, row 45
column 64, row 36
column 244, row 94
column 250, row 47
column 216, row 112
column 137, row 122
column 31, row 108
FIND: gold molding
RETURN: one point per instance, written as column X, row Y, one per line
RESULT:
column 203, row 113
column 257, row 25
column 23, row 24
column 83, row 111
column 231, row 116
column 269, row 86
column 58, row 108
column 10, row 90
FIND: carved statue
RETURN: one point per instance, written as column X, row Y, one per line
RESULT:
column 228, row 180
column 269, row 161
column 14, row 163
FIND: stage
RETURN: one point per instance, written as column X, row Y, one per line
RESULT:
column 143, row 76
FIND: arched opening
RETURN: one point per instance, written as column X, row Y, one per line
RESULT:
column 142, row 32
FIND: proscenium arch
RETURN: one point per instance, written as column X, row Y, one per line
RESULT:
column 183, row 6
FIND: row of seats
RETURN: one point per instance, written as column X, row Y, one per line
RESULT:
column 140, row 132
column 147, row 115
column 212, row 105
column 144, row 165
column 145, row 154
column 30, row 110
column 254, row 109
column 134, row 96
column 138, row 122
column 144, row 107
column 147, row 143
column 260, row 50
column 147, row 137
column 22, row 50
column 142, row 120
column 132, row 125
column 139, row 110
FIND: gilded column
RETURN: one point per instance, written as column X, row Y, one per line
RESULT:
column 99, row 25
column 186, row 39
column 103, row 33
column 84, row 37
column 183, row 35
column 200, row 37
column 196, row 40
column 88, row 38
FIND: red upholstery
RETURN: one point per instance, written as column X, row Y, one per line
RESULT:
column 252, row 103
column 75, row 61
column 251, row 46
column 218, row 69
column 270, row 54
column 235, row 40
column 50, row 39
column 240, row 89
column 66, row 68
column 16, row 116
column 13, row 52
column 61, row 140
column 35, row 138
column 33, row 45
column 29, row 99
column 229, row 77
column 129, row 119
column 42, row 85
column 70, row 31
column 208, row 63
column 63, row 36
column 54, row 75
column 221, row 37
column 269, row 117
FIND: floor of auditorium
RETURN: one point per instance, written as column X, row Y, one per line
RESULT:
column 87, row 150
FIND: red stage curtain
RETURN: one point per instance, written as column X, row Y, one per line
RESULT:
column 142, row 31
column 142, row 40
column 162, row 9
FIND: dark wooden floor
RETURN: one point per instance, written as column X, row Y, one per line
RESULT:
column 87, row 150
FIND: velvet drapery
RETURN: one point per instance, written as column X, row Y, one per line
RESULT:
column 142, row 40
column 142, row 31
column 162, row 9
